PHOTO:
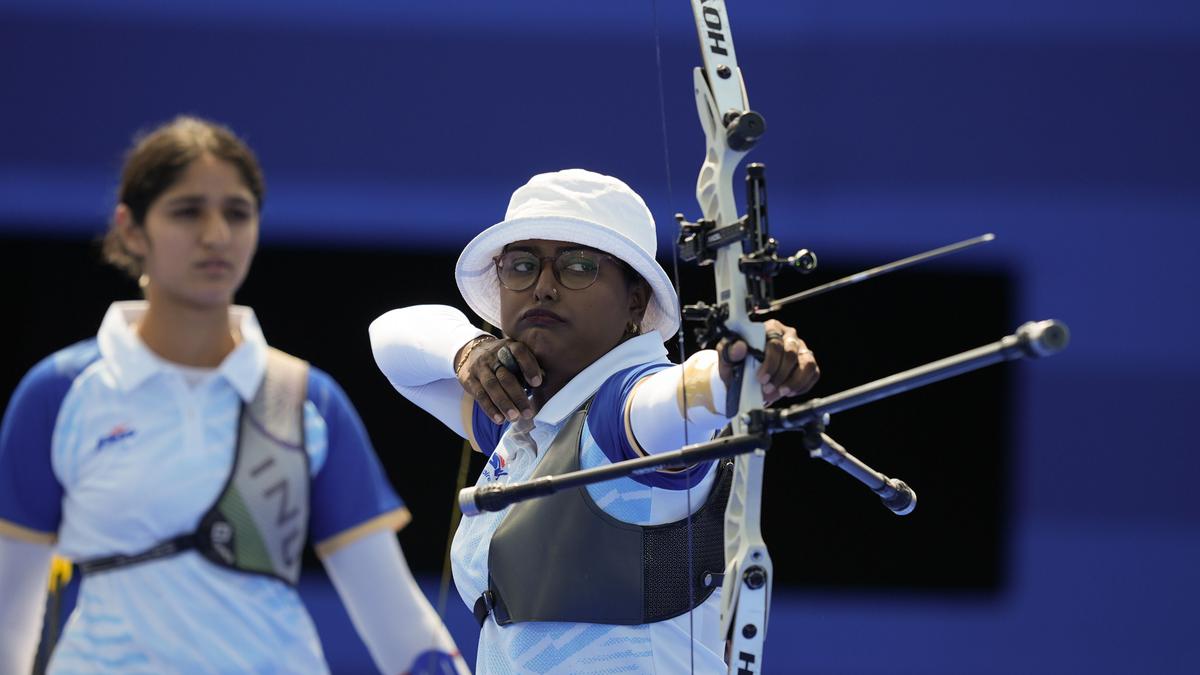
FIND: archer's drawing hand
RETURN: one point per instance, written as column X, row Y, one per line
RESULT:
column 495, row 373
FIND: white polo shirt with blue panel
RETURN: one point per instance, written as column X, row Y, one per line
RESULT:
column 108, row 449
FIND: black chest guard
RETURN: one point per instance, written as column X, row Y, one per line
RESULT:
column 562, row 558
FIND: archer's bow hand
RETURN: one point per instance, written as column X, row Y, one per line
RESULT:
column 788, row 367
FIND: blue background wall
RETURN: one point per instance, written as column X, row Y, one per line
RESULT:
column 1070, row 129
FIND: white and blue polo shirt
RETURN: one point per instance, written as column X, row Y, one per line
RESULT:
column 107, row 448
column 645, row 499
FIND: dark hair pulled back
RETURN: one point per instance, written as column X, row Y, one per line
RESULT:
column 155, row 162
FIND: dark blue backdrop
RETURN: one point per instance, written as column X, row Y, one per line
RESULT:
column 1068, row 128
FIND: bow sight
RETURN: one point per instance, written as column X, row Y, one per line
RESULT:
column 699, row 242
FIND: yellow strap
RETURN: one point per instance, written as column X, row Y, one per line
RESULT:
column 60, row 573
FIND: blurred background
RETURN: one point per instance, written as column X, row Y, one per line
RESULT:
column 1057, row 529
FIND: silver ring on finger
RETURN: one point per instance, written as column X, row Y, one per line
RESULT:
column 774, row 335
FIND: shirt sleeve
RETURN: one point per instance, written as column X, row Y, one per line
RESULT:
column 351, row 495
column 606, row 422
column 416, row 345
column 484, row 433
column 415, row 348
column 30, row 494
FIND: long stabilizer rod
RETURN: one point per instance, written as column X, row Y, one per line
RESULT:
column 1032, row 340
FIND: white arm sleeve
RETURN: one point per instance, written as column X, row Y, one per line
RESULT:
column 24, row 572
column 415, row 348
column 655, row 408
column 391, row 615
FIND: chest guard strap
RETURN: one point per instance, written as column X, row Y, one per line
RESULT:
column 259, row 521
column 562, row 558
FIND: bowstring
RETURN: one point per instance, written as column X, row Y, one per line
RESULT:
column 681, row 345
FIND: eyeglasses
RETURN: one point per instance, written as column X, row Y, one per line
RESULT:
column 575, row 269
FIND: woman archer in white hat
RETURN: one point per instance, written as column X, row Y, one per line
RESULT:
column 590, row 579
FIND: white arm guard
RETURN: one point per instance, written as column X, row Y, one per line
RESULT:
column 24, row 572
column 415, row 349
column 416, row 345
column 655, row 410
column 391, row 615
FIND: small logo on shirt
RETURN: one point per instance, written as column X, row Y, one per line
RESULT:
column 118, row 434
column 496, row 466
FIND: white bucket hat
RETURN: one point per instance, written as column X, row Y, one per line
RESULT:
column 576, row 206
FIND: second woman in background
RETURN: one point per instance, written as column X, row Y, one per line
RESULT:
column 182, row 462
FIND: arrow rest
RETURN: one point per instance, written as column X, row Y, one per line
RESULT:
column 712, row 326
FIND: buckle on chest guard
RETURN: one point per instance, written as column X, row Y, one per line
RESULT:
column 490, row 603
column 484, row 606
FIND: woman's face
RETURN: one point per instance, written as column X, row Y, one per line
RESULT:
column 568, row 329
column 199, row 236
